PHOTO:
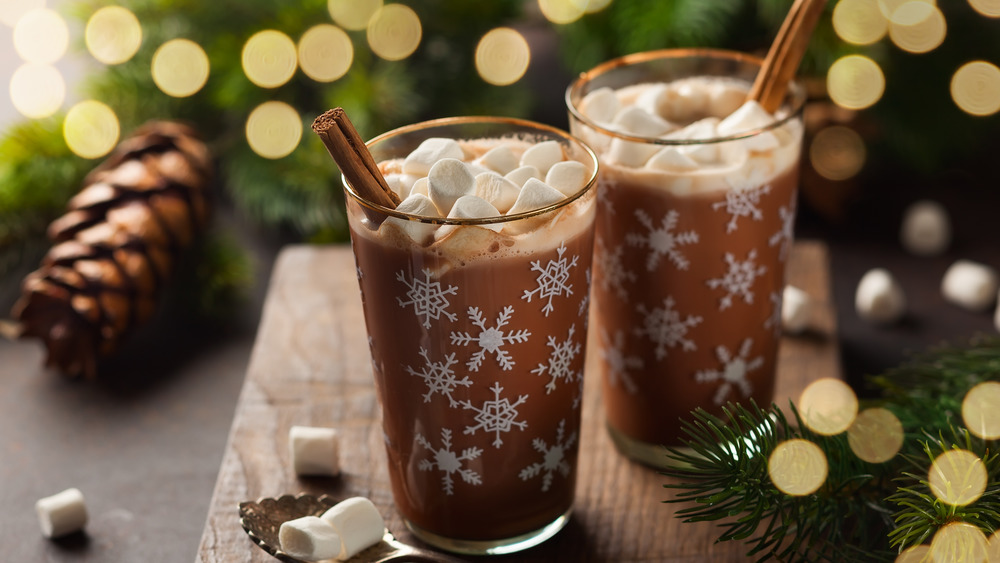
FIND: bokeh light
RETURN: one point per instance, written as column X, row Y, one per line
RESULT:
column 990, row 9
column 37, row 90
column 828, row 406
column 12, row 10
column 797, row 467
column 915, row 554
column 957, row 477
column 353, row 14
column 561, row 11
column 91, row 129
column 502, row 56
column 981, row 410
column 269, row 58
column 855, row 82
column 394, row 32
column 917, row 27
column 113, row 35
column 975, row 88
column 859, row 21
column 993, row 547
column 41, row 36
column 959, row 542
column 274, row 129
column 180, row 68
column 837, row 152
column 876, row 435
column 325, row 52
column 889, row 7
column 592, row 6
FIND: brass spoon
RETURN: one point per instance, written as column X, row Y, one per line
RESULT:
column 262, row 520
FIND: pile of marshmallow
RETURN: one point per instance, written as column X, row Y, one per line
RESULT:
column 439, row 179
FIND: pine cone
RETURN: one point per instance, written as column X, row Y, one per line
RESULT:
column 116, row 247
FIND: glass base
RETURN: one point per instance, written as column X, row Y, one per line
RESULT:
column 491, row 547
column 653, row 455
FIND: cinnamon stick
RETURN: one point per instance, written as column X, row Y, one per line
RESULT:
column 353, row 157
column 785, row 54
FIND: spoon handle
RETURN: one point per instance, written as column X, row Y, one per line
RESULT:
column 403, row 552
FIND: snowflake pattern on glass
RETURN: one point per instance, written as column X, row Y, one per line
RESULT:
column 786, row 234
column 733, row 371
column 773, row 320
column 552, row 279
column 738, row 280
column 428, row 299
column 448, row 462
column 560, row 361
column 614, row 275
column 553, row 457
column 440, row 377
column 613, row 354
column 665, row 328
column 496, row 416
column 490, row 340
column 662, row 241
column 742, row 203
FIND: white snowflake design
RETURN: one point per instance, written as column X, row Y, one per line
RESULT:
column 786, row 234
column 742, row 203
column 490, row 340
column 733, row 372
column 552, row 279
column 427, row 298
column 738, row 280
column 560, row 360
column 662, row 241
column 613, row 354
column 613, row 275
column 496, row 416
column 603, row 189
column 585, row 301
column 664, row 327
column 553, row 457
column 449, row 463
column 773, row 320
column 440, row 377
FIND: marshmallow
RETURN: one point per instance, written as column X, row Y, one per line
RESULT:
column 796, row 310
column 500, row 159
column 630, row 153
column 681, row 101
column 473, row 207
column 416, row 204
column 400, row 183
column 431, row 150
column 568, row 176
column 879, row 297
column 522, row 174
column 418, row 187
column 670, row 159
column 601, row 105
column 724, row 98
column 534, row 195
column 970, row 285
column 448, row 180
column 62, row 513
column 542, row 155
column 358, row 523
column 652, row 99
column 926, row 228
column 639, row 122
column 499, row 191
column 314, row 451
column 750, row 116
column 705, row 153
column 309, row 538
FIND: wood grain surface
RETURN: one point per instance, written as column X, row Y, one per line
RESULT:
column 310, row 366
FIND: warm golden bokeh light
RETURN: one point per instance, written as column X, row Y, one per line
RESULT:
column 959, row 542
column 981, row 410
column 502, row 56
column 837, row 152
column 180, row 68
column 274, row 129
column 91, row 129
column 993, row 547
column 797, row 467
column 394, row 32
column 269, row 58
column 353, row 14
column 889, row 7
column 113, row 35
column 41, row 36
column 561, row 11
column 592, row 6
column 37, row 90
column 975, row 88
column 855, row 82
column 917, row 27
column 828, row 406
column 990, row 9
column 876, row 435
column 12, row 10
column 915, row 554
column 325, row 52
column 957, row 477
column 859, row 21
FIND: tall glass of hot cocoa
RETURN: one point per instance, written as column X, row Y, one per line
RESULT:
column 697, row 207
column 475, row 293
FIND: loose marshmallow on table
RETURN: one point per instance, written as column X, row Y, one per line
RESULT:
column 431, row 150
column 542, row 155
column 310, row 538
column 499, row 191
column 879, row 297
column 500, row 159
column 448, row 180
column 314, row 450
column 926, row 228
column 970, row 285
column 796, row 310
column 534, row 195
column 568, row 176
column 358, row 523
column 62, row 513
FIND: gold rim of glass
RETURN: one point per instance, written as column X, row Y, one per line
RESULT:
column 522, row 127
column 795, row 99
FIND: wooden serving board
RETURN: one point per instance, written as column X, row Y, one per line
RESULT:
column 310, row 366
